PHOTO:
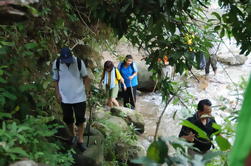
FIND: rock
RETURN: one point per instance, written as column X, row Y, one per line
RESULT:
column 144, row 78
column 232, row 60
column 94, row 155
column 136, row 151
column 125, row 152
column 101, row 114
column 25, row 163
column 91, row 57
column 130, row 116
column 102, row 128
column 116, row 123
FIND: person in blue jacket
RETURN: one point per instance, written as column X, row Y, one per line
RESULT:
column 128, row 70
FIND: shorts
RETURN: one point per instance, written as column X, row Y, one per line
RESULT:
column 79, row 111
column 112, row 93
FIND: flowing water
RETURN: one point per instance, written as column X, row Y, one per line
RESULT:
column 220, row 89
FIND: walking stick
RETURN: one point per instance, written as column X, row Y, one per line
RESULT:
column 89, row 124
column 132, row 95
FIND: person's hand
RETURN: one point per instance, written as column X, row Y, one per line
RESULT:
column 130, row 78
column 189, row 137
column 124, row 86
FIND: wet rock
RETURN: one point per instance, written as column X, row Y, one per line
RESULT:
column 117, row 122
column 131, row 117
column 232, row 59
column 144, row 78
column 94, row 155
column 25, row 163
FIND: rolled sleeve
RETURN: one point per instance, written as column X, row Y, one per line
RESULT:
column 54, row 72
column 83, row 71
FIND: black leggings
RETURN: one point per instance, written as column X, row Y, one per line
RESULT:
column 128, row 97
column 78, row 109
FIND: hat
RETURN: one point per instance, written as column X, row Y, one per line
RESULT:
column 65, row 55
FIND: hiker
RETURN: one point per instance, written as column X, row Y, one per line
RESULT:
column 202, row 119
column 71, row 80
column 128, row 70
column 111, row 77
column 211, row 60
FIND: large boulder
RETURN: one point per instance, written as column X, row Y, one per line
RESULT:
column 25, row 163
column 130, row 116
column 144, row 76
column 94, row 155
column 232, row 59
column 127, row 152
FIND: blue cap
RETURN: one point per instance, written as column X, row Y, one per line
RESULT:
column 65, row 55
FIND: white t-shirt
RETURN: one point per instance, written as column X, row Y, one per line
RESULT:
column 70, row 81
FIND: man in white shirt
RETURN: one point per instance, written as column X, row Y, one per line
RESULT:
column 70, row 76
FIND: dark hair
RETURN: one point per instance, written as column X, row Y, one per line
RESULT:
column 108, row 65
column 128, row 57
column 201, row 104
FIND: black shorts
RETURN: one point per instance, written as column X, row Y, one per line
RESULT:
column 78, row 109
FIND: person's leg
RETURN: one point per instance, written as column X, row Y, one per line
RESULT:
column 126, row 96
column 68, row 117
column 114, row 95
column 207, row 65
column 214, row 63
column 79, row 109
column 115, row 102
column 130, row 94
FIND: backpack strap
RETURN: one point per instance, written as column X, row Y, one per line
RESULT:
column 116, row 73
column 133, row 71
column 57, row 63
column 79, row 63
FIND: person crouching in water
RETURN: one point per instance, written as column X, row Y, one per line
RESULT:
column 111, row 77
column 128, row 70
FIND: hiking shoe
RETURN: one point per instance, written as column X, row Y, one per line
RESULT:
column 73, row 140
column 82, row 147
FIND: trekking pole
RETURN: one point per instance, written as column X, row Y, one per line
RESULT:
column 132, row 94
column 89, row 124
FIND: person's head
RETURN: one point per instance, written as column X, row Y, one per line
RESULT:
column 204, row 107
column 66, row 56
column 108, row 66
column 128, row 60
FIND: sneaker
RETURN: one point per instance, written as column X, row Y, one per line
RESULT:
column 81, row 147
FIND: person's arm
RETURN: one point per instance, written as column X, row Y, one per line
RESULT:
column 58, row 96
column 187, row 134
column 135, row 72
column 55, row 77
column 121, row 79
column 86, row 79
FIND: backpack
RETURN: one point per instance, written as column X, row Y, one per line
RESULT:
column 78, row 61
column 121, row 64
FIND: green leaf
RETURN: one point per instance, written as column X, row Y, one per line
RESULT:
column 7, row 43
column 201, row 133
column 223, row 143
column 222, row 33
column 9, row 95
column 2, row 80
column 30, row 45
column 217, row 28
column 217, row 15
column 157, row 151
column 210, row 155
column 144, row 161
column 19, row 151
column 3, row 51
